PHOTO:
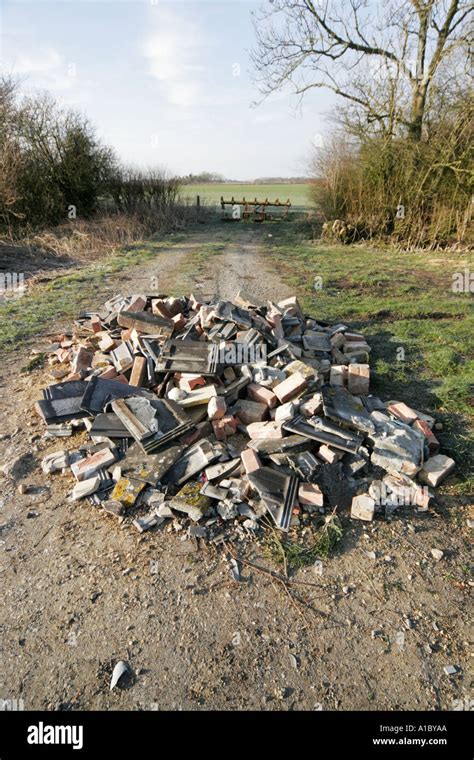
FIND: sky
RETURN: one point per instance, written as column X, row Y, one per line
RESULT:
column 167, row 83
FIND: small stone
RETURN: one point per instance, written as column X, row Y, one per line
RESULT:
column 22, row 488
column 437, row 554
column 450, row 670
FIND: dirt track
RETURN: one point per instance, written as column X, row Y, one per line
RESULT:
column 80, row 594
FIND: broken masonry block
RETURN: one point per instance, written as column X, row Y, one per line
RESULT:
column 88, row 467
column 363, row 508
column 436, row 469
column 286, row 412
column 198, row 397
column 144, row 322
column 216, row 408
column 358, row 379
column 151, row 520
column 250, row 460
column 261, row 394
column 250, row 411
column 55, row 462
column 138, row 373
column 127, row 491
column 339, row 374
column 224, row 427
column 268, row 430
column 301, row 367
column 312, row 406
column 290, row 387
column 326, row 454
column 432, row 441
column 122, row 357
column 137, row 303
column 402, row 412
column 179, row 321
column 311, row 494
column 85, row 488
column 82, row 360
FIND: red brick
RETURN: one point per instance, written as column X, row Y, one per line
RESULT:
column 250, row 460
column 290, row 387
column 138, row 303
column 403, row 412
column 250, row 411
column 224, row 427
column 264, row 430
column 179, row 322
column 423, row 427
column 358, row 379
column 188, row 382
column 310, row 493
column 263, row 395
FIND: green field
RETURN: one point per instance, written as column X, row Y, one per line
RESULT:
column 211, row 194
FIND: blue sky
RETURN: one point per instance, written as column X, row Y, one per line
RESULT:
column 166, row 83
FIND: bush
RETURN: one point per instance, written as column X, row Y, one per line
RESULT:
column 419, row 193
column 51, row 161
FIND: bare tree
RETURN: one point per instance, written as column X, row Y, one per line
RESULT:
column 382, row 58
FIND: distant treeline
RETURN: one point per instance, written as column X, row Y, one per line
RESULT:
column 211, row 178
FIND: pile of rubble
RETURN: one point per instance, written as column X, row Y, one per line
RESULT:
column 216, row 415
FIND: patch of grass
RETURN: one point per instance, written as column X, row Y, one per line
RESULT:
column 421, row 331
column 65, row 295
column 211, row 193
column 35, row 363
column 294, row 556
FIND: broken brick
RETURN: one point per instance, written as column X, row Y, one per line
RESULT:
column 216, row 408
column 138, row 373
column 358, row 379
column 363, row 508
column 290, row 387
column 436, row 469
column 263, row 395
column 311, row 494
column 269, row 430
column 403, row 412
column 250, row 460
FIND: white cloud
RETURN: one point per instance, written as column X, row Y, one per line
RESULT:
column 46, row 68
column 172, row 51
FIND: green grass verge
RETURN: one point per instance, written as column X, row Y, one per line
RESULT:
column 63, row 296
column 420, row 331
